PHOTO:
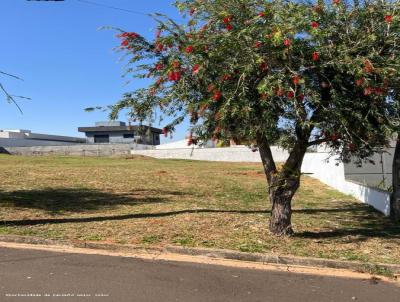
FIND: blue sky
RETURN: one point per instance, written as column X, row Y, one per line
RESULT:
column 66, row 62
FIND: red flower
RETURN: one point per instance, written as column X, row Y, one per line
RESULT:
column 352, row 147
column 360, row 81
column 334, row 137
column 217, row 95
column 189, row 49
column 263, row 66
column 388, row 19
column 159, row 66
column 300, row 97
column 192, row 11
column 227, row 20
column 261, row 15
column 196, row 69
column 165, row 131
column 258, row 44
column 379, row 91
column 176, row 64
column 290, row 94
column 336, row 2
column 226, row 77
column 229, row 26
column 124, row 43
column 315, row 56
column 131, row 35
column 296, row 80
column 287, row 42
column 368, row 67
column 174, row 76
column 159, row 47
column 368, row 91
column 314, row 24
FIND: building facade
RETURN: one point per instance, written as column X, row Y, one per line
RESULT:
column 118, row 132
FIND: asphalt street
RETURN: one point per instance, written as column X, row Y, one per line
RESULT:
column 33, row 275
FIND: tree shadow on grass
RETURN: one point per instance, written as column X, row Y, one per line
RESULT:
column 359, row 224
column 364, row 221
column 78, row 200
column 382, row 229
column 58, row 201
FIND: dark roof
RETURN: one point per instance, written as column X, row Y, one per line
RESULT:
column 118, row 129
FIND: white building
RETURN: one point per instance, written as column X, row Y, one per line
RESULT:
column 26, row 138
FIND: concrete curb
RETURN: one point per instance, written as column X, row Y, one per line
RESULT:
column 375, row 268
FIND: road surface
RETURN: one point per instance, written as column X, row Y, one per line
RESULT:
column 34, row 275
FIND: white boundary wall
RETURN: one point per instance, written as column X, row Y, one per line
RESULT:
column 331, row 173
column 76, row 149
column 315, row 164
column 231, row 154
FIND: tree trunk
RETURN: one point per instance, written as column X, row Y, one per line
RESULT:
column 395, row 198
column 281, row 191
column 282, row 185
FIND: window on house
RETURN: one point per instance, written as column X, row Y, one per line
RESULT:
column 129, row 135
column 101, row 138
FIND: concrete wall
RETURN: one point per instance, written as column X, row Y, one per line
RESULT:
column 315, row 164
column 332, row 173
column 23, row 142
column 231, row 154
column 183, row 144
column 77, row 150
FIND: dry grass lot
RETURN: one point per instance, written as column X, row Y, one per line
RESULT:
column 152, row 202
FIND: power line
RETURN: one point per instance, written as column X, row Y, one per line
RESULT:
column 105, row 6
column 113, row 7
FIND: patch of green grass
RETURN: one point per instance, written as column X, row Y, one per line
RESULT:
column 185, row 240
column 378, row 270
column 151, row 239
column 251, row 247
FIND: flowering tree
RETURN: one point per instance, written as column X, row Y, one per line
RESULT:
column 288, row 73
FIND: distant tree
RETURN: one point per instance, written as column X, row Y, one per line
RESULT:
column 289, row 73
